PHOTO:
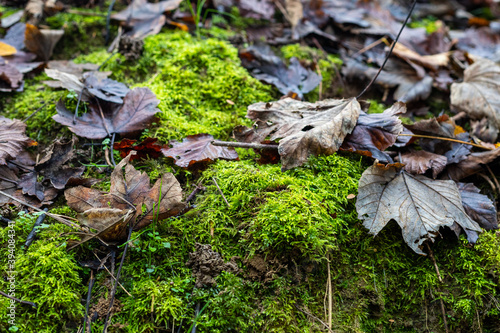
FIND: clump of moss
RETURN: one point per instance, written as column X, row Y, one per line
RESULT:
column 46, row 275
column 201, row 85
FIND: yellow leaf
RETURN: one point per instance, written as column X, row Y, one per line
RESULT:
column 6, row 49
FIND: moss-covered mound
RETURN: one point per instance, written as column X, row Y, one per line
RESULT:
column 293, row 236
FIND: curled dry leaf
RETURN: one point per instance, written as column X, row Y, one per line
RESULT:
column 419, row 205
column 12, row 138
column 305, row 129
column 195, row 151
column 478, row 95
column 376, row 132
column 129, row 190
column 472, row 164
column 478, row 206
column 418, row 162
column 136, row 113
column 11, row 79
column 41, row 41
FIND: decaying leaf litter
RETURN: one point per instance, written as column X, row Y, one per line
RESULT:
column 416, row 169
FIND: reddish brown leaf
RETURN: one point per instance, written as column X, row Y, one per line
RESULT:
column 195, row 151
column 129, row 190
column 136, row 113
column 147, row 148
column 12, row 138
column 418, row 162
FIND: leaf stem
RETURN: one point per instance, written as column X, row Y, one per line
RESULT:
column 446, row 139
column 390, row 51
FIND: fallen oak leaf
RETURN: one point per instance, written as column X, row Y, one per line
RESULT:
column 305, row 129
column 136, row 113
column 419, row 205
column 195, row 151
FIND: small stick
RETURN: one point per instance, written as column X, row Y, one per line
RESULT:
column 89, row 297
column 108, row 19
column 309, row 314
column 390, row 51
column 112, row 149
column 17, row 299
column 103, row 119
column 493, row 176
column 372, row 45
column 446, row 139
column 220, row 191
column 329, row 293
column 114, row 278
column 34, row 112
column 32, row 234
column 443, row 310
column 244, row 145
column 55, row 217
column 113, row 292
column 78, row 105
column 431, row 253
column 196, row 190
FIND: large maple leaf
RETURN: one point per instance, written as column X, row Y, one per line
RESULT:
column 419, row 205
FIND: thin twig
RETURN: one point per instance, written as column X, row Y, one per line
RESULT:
column 114, row 278
column 220, row 191
column 313, row 316
column 35, row 112
column 493, row 176
column 443, row 310
column 113, row 292
column 390, row 51
column 89, row 297
column 329, row 293
column 78, row 105
column 112, row 149
column 244, row 145
column 368, row 47
column 197, row 189
column 446, row 139
column 18, row 300
column 102, row 116
column 108, row 19
column 431, row 253
column 55, row 217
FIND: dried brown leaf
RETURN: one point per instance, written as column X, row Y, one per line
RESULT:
column 419, row 205
column 195, row 151
column 12, row 138
column 418, row 162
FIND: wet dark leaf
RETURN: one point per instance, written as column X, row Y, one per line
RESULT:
column 474, row 163
column 136, row 113
column 266, row 66
column 478, row 206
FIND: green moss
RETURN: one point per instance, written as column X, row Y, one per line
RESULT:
column 328, row 66
column 430, row 23
column 376, row 107
column 44, row 274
